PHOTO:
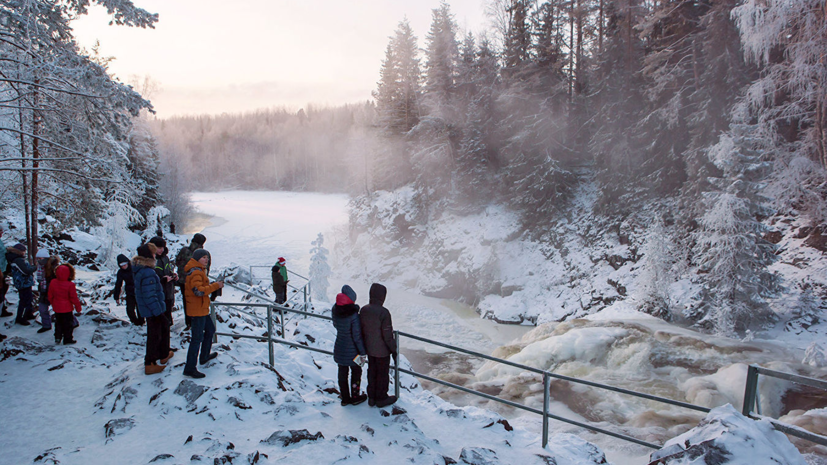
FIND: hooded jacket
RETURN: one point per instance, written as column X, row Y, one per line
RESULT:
column 197, row 289
column 377, row 326
column 184, row 256
column 63, row 295
column 349, row 342
column 22, row 273
column 149, row 296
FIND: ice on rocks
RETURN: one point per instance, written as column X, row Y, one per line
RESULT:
column 726, row 437
column 286, row 438
column 815, row 356
column 189, row 390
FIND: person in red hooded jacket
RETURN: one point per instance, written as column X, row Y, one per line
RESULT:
column 63, row 295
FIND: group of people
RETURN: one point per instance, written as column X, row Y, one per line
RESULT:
column 364, row 333
column 149, row 282
column 55, row 289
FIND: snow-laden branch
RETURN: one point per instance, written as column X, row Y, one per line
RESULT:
column 55, row 89
column 25, row 133
column 55, row 170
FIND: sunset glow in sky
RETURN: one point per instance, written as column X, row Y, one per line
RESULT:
column 211, row 56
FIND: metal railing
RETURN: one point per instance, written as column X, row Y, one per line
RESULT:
column 547, row 375
column 751, row 400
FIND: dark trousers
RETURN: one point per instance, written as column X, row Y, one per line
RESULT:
column 168, row 313
column 352, row 389
column 4, row 287
column 131, row 310
column 187, row 318
column 157, row 339
column 64, row 326
column 378, row 377
column 26, row 299
column 203, row 330
column 281, row 293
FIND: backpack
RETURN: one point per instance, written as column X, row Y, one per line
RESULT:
column 20, row 278
column 181, row 261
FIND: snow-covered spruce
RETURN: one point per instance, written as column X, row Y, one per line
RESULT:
column 243, row 412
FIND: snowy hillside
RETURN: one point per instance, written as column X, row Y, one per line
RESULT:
column 92, row 404
column 582, row 265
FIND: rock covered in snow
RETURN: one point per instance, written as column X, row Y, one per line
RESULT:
column 815, row 356
column 286, row 438
column 726, row 437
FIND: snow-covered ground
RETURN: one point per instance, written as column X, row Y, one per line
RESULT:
column 618, row 346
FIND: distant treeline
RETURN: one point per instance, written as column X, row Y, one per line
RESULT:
column 314, row 149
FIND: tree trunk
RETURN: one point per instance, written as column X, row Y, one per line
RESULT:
column 36, row 123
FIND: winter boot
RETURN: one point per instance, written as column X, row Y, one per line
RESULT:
column 356, row 397
column 153, row 369
column 4, row 312
column 386, row 401
column 194, row 374
column 165, row 360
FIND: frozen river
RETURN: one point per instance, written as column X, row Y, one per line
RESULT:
column 254, row 228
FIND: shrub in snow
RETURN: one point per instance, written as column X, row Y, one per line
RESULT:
column 114, row 227
column 154, row 223
column 726, row 437
column 319, row 269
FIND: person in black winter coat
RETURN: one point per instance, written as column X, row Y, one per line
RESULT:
column 166, row 273
column 377, row 331
column 348, row 346
column 23, row 278
column 126, row 280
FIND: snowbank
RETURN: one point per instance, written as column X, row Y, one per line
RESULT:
column 726, row 437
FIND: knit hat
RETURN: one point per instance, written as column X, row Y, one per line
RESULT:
column 20, row 246
column 200, row 253
column 199, row 238
column 122, row 259
column 158, row 241
column 348, row 291
column 42, row 253
column 147, row 250
column 343, row 299
column 282, row 261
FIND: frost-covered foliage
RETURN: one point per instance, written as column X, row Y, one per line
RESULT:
column 66, row 124
column 319, row 269
column 112, row 233
column 661, row 267
column 154, row 222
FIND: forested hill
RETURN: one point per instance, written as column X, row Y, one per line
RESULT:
column 689, row 133
column 313, row 149
column 692, row 132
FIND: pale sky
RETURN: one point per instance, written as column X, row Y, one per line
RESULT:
column 214, row 56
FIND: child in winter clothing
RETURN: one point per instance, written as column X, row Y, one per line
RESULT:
column 197, row 294
column 149, row 297
column 63, row 296
column 23, row 277
column 126, row 279
column 42, row 289
column 348, row 346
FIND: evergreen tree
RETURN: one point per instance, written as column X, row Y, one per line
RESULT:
column 319, row 269
column 442, row 55
column 730, row 247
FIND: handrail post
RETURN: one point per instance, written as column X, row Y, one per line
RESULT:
column 750, row 390
column 546, row 399
column 283, row 334
column 396, row 366
column 214, row 321
column 270, row 335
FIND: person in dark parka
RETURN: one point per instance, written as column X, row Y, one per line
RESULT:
column 348, row 346
column 150, row 299
column 23, row 278
column 280, row 280
column 126, row 281
column 377, row 331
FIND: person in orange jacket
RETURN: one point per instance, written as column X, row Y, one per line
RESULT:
column 197, row 290
column 63, row 295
